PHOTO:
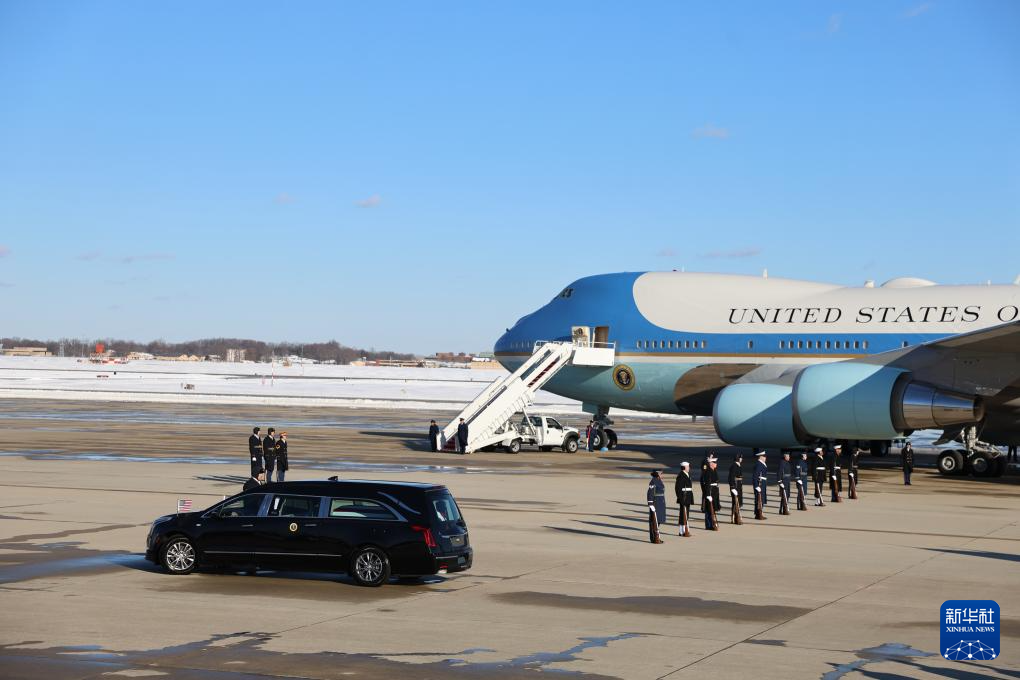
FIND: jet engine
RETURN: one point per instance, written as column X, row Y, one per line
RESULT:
column 863, row 401
column 755, row 414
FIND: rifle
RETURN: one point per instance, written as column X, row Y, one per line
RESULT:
column 735, row 507
column 710, row 503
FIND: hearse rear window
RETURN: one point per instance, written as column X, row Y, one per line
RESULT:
column 295, row 506
column 358, row 508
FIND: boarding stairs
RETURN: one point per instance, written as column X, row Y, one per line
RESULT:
column 488, row 414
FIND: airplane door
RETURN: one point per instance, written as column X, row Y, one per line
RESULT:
column 581, row 335
column 601, row 336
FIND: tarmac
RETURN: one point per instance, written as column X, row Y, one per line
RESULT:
column 565, row 581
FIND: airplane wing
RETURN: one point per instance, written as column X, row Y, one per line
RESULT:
column 983, row 362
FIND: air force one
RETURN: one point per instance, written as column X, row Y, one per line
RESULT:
column 780, row 363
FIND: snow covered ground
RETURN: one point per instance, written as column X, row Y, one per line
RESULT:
column 251, row 383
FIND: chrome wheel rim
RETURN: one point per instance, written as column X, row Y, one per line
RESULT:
column 180, row 556
column 369, row 567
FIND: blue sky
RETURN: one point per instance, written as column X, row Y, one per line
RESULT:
column 416, row 176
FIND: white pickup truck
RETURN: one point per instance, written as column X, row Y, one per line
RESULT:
column 544, row 432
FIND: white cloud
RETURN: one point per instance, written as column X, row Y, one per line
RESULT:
column 370, row 202
column 711, row 131
column 917, row 11
column 736, row 253
column 835, row 23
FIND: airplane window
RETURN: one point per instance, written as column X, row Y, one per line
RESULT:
column 671, row 344
column 839, row 345
column 828, row 344
column 810, row 344
column 865, row 344
column 800, row 344
column 782, row 344
column 750, row 344
column 702, row 344
column 905, row 343
column 857, row 344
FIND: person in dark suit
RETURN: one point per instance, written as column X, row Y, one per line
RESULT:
column 710, row 493
column 462, row 437
column 800, row 473
column 255, row 452
column 433, row 435
column 907, row 460
column 819, row 476
column 783, row 478
column 760, row 480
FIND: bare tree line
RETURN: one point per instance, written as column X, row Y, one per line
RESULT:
column 254, row 349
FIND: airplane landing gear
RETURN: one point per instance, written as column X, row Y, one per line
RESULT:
column 605, row 437
column 978, row 458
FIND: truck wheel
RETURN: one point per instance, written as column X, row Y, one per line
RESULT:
column 950, row 463
column 611, row 436
column 570, row 446
column 514, row 446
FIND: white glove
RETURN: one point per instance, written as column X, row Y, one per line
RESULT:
column 781, row 485
column 733, row 491
column 834, row 476
column 758, row 489
column 253, row 458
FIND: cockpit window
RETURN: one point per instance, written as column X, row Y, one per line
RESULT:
column 567, row 292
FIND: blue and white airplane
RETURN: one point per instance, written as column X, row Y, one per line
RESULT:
column 786, row 364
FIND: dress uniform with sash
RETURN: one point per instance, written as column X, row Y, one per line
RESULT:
column 819, row 476
column 760, row 479
column 830, row 471
column 255, row 452
column 656, row 506
column 736, row 482
column 685, row 497
column 853, row 458
column 800, row 477
column 783, row 477
column 710, row 494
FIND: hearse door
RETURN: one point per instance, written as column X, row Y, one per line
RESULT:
column 229, row 532
column 292, row 534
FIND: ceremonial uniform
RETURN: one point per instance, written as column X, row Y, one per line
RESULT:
column 800, row 477
column 255, row 453
column 760, row 480
column 783, row 479
column 837, row 471
column 269, row 456
column 830, row 471
column 684, row 498
column 907, row 459
column 736, row 482
column 656, row 497
column 710, row 496
column 852, row 468
column 819, row 477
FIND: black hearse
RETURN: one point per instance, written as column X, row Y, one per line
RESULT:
column 368, row 529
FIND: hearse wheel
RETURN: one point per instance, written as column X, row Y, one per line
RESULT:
column 179, row 556
column 370, row 567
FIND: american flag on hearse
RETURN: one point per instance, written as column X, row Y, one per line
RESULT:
column 183, row 505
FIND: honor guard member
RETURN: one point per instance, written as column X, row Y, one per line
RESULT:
column 269, row 453
column 853, row 457
column 907, row 460
column 433, row 435
column 656, row 506
column 255, row 452
column 783, row 478
column 462, row 436
column 800, row 477
column 830, row 472
column 837, row 469
column 736, row 482
column 685, row 497
column 710, row 494
column 760, row 480
column 819, row 476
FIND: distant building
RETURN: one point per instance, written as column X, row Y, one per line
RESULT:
column 235, row 356
column 139, row 356
column 27, row 352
